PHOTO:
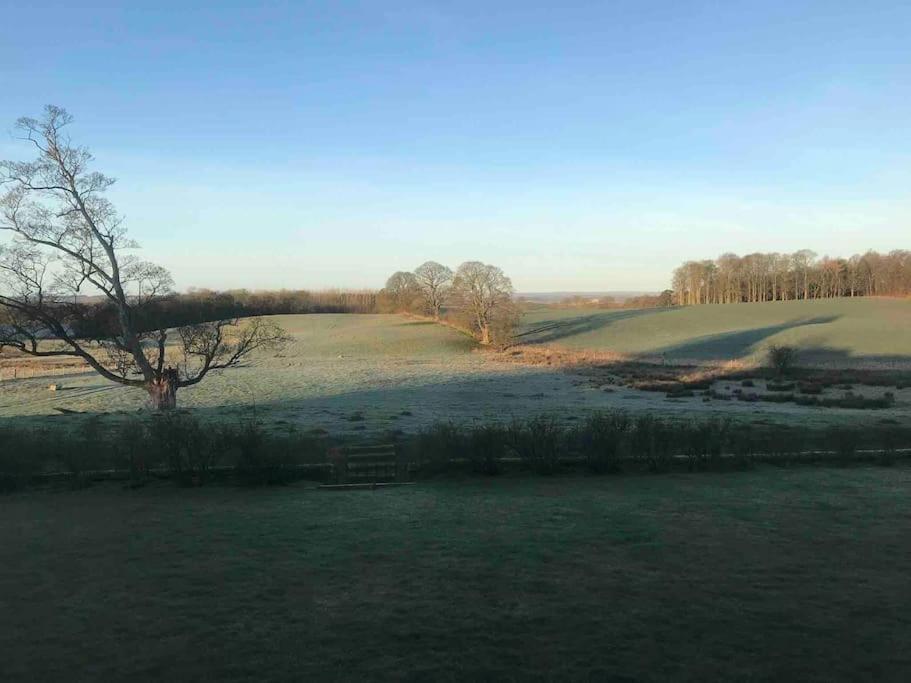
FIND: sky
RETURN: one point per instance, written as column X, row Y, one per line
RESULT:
column 580, row 146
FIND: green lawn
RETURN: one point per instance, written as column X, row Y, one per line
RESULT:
column 835, row 332
column 797, row 574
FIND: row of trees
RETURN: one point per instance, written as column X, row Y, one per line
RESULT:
column 663, row 300
column 100, row 318
column 476, row 296
column 782, row 277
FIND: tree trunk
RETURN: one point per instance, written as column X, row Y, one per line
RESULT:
column 485, row 334
column 163, row 390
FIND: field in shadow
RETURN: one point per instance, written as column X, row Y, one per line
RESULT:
column 497, row 396
column 863, row 329
column 554, row 330
column 731, row 345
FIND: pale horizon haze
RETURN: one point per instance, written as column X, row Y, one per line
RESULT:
column 583, row 146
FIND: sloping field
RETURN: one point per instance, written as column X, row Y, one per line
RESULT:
column 363, row 375
column 842, row 332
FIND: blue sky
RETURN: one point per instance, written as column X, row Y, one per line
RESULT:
column 579, row 145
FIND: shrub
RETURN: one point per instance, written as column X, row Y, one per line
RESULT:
column 653, row 440
column 783, row 444
column 485, row 448
column 743, row 446
column 537, row 443
column 18, row 461
column 189, row 447
column 602, row 441
column 439, row 445
column 705, row 442
column 256, row 465
column 782, row 358
column 843, row 442
column 889, row 444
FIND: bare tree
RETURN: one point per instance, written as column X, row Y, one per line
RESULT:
column 485, row 295
column 402, row 290
column 434, row 281
column 67, row 241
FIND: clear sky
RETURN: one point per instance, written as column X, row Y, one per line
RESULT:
column 578, row 145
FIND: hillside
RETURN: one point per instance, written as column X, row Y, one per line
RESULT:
column 857, row 332
column 354, row 375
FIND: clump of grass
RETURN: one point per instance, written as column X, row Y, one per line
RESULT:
column 809, row 388
column 777, row 398
column 780, row 386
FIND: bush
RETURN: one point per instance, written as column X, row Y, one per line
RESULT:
column 267, row 459
column 743, row 445
column 783, row 444
column 439, row 445
column 844, row 442
column 485, row 448
column 653, row 440
column 782, row 358
column 705, row 441
column 538, row 443
column 190, row 448
column 602, row 441
column 18, row 460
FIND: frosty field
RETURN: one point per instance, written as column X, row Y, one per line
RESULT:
column 362, row 375
column 862, row 332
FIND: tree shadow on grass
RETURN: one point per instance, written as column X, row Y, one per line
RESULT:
column 554, row 330
column 732, row 345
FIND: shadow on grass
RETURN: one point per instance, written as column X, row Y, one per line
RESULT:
column 469, row 398
column 732, row 345
column 554, row 330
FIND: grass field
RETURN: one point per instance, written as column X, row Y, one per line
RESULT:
column 839, row 332
column 796, row 574
column 363, row 375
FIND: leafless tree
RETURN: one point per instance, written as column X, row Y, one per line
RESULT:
column 785, row 277
column 67, row 241
column 434, row 281
column 485, row 295
column 402, row 290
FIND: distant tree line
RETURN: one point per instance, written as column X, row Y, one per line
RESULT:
column 784, row 277
column 202, row 305
column 477, row 297
column 663, row 300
